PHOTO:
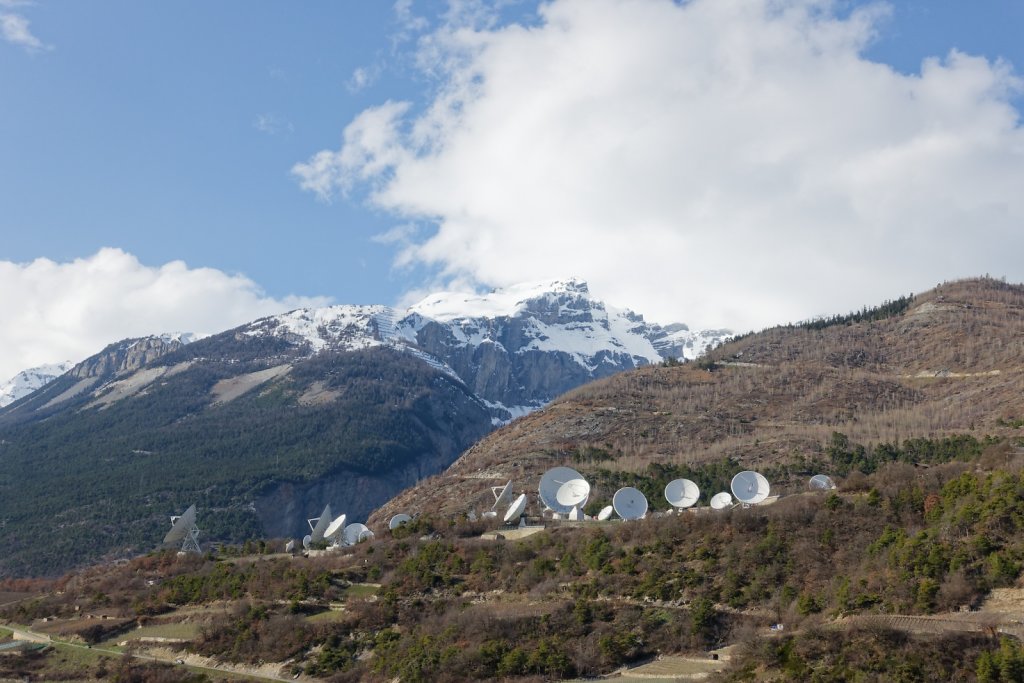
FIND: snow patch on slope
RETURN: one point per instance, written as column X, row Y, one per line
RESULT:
column 27, row 381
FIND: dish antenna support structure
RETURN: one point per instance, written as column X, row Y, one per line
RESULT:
column 185, row 531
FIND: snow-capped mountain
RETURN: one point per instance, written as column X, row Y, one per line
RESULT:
column 515, row 348
column 27, row 381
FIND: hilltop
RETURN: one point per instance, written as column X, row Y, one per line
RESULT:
column 948, row 361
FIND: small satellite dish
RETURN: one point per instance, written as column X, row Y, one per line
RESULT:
column 629, row 503
column 681, row 493
column 289, row 547
column 502, row 495
column 398, row 520
column 821, row 482
column 749, row 487
column 331, row 533
column 365, row 535
column 605, row 513
column 307, row 541
column 318, row 525
column 354, row 533
column 489, row 514
column 516, row 509
column 552, row 482
column 720, row 501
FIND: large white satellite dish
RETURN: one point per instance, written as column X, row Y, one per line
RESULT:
column 354, row 533
column 573, row 493
column 398, row 520
column 184, row 530
column 331, row 533
column 681, row 493
column 516, row 509
column 749, row 487
column 629, row 503
column 720, row 501
column 552, row 482
column 318, row 525
column 180, row 525
column 502, row 494
column 821, row 482
column 605, row 513
column 307, row 541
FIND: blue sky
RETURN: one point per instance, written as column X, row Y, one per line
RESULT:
column 186, row 132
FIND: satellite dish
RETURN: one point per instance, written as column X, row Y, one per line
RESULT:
column 289, row 546
column 605, row 513
column 681, row 493
column 490, row 514
column 573, row 493
column 181, row 525
column 720, row 501
column 502, row 495
column 307, row 541
column 331, row 533
column 552, row 482
column 354, row 533
column 821, row 482
column 516, row 509
column 629, row 503
column 749, row 487
column 398, row 520
column 318, row 525
column 365, row 535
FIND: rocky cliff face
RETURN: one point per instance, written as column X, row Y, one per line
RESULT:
column 125, row 356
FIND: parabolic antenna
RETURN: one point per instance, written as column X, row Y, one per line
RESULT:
column 821, row 482
column 289, row 546
column 681, row 493
column 318, row 525
column 502, row 495
column 516, row 509
column 307, row 541
column 605, row 513
column 720, row 501
column 573, row 493
column 552, row 482
column 354, row 533
column 629, row 503
column 180, row 526
column 365, row 535
column 749, row 487
column 334, row 527
column 398, row 520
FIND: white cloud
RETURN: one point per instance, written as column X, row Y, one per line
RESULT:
column 721, row 162
column 53, row 311
column 272, row 124
column 15, row 29
column 362, row 77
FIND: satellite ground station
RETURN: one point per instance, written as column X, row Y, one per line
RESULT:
column 682, row 493
column 184, row 531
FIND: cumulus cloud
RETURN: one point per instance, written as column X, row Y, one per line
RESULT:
column 721, row 162
column 53, row 311
column 15, row 28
